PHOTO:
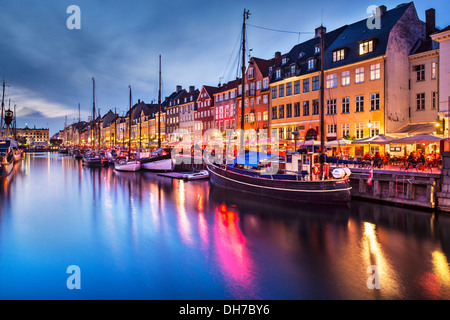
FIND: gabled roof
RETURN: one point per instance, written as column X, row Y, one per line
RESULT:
column 210, row 90
column 230, row 85
column 357, row 32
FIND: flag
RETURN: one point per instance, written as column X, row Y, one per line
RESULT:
column 369, row 180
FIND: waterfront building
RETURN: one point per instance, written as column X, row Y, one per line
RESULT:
column 225, row 102
column 204, row 116
column 366, row 80
column 256, row 103
column 171, row 105
column 187, row 108
column 31, row 135
column 443, row 38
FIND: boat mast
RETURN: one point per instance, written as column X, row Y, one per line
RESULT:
column 159, row 105
column 129, row 128
column 245, row 16
column 93, row 114
column 321, row 100
column 79, row 126
column 3, row 107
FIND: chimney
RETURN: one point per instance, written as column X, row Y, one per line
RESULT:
column 179, row 88
column 430, row 21
column 381, row 10
column 191, row 88
column 139, row 101
column 317, row 33
column 277, row 54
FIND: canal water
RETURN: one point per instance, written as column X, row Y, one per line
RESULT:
column 142, row 236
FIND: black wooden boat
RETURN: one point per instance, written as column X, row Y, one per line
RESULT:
column 280, row 186
column 6, row 157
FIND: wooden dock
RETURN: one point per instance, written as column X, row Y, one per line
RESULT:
column 410, row 188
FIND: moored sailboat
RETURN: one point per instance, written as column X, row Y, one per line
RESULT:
column 256, row 179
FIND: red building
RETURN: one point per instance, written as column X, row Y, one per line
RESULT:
column 257, row 77
column 204, row 117
column 225, row 106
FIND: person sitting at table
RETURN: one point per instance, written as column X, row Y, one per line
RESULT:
column 411, row 161
column 377, row 160
column 421, row 158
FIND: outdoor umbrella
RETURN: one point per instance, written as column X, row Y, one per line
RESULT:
column 379, row 139
column 337, row 143
column 420, row 138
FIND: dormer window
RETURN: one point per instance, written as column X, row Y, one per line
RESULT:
column 338, row 55
column 284, row 61
column 316, row 49
column 270, row 69
column 301, row 54
column 278, row 74
column 365, row 47
column 311, row 64
column 293, row 70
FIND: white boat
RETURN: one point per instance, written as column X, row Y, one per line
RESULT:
column 124, row 164
column 160, row 160
column 202, row 174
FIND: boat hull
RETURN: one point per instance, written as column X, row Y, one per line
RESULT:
column 321, row 191
column 164, row 164
column 6, row 169
column 129, row 166
column 95, row 163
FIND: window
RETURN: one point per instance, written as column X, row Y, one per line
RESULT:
column 359, row 104
column 420, row 72
column 311, row 64
column 274, row 113
column 345, row 130
column 289, row 89
column 258, row 85
column 331, row 128
column 316, row 49
column 433, row 70
column 281, row 90
column 297, row 87
column 359, row 130
column 297, row 109
column 305, row 85
column 258, row 117
column 338, row 55
column 434, row 99
column 359, row 75
column 278, row 74
column 366, row 47
column 265, row 115
column 331, row 106
column 345, row 76
column 331, row 81
column 284, row 61
column 374, row 101
column 252, row 102
column 281, row 133
column 305, row 108
column 274, row 92
column 345, row 105
column 315, row 107
column 265, row 99
column 315, row 83
column 375, row 71
column 250, row 73
column 258, row 101
column 281, row 112
column 265, row 83
column 420, row 97
column 293, row 70
column 289, row 110
column 375, row 129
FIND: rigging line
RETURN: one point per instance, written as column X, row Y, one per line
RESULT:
column 278, row 30
column 232, row 52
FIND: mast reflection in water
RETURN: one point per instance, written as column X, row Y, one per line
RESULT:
column 136, row 235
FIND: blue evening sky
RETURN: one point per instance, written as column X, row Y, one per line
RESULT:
column 48, row 68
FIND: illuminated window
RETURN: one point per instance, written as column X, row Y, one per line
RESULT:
column 359, row 75
column 338, row 55
column 366, row 47
column 332, row 81
column 345, row 76
column 375, row 71
column 433, row 70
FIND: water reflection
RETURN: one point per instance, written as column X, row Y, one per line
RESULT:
column 140, row 235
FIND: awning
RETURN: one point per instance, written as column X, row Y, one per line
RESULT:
column 418, row 128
